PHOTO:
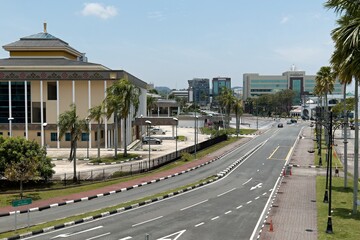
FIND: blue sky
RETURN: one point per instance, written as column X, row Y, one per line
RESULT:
column 167, row 42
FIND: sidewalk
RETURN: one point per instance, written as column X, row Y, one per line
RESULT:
column 293, row 214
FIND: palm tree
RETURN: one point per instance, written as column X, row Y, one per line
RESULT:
column 238, row 109
column 97, row 113
column 226, row 100
column 70, row 122
column 113, row 103
column 346, row 59
column 325, row 81
column 150, row 103
column 130, row 99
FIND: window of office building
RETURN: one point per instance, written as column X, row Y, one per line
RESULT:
column 36, row 113
column 51, row 90
column 84, row 137
column 53, row 136
column 67, row 137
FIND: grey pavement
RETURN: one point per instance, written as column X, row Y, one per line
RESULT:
column 293, row 214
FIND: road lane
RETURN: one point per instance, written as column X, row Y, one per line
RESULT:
column 242, row 205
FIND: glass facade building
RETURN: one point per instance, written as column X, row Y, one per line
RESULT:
column 255, row 85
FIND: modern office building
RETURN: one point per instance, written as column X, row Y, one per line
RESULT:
column 218, row 83
column 199, row 91
column 42, row 77
column 255, row 85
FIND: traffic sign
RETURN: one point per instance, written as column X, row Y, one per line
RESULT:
column 21, row 202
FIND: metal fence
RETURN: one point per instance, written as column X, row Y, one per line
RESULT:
column 133, row 167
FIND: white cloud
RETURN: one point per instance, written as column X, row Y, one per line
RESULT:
column 156, row 15
column 284, row 20
column 98, row 10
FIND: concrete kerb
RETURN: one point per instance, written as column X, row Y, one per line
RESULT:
column 145, row 202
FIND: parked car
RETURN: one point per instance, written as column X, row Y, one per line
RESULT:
column 157, row 131
column 280, row 125
column 151, row 140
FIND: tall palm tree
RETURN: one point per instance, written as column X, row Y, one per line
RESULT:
column 325, row 81
column 346, row 59
column 226, row 100
column 69, row 121
column 150, row 103
column 130, row 101
column 97, row 113
column 238, row 110
column 113, row 103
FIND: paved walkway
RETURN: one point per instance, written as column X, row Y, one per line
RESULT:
column 293, row 214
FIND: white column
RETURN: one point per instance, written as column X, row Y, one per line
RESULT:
column 26, row 113
column 10, row 111
column 105, row 130
column 57, row 111
column 41, row 113
column 168, row 111
column 89, row 106
column 73, row 92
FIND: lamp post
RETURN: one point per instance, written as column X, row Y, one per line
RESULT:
column 10, row 126
column 176, row 139
column 87, row 140
column 148, row 132
column 195, row 134
column 329, row 228
column 141, row 116
column 44, row 126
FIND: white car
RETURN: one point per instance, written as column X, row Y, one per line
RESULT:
column 157, row 131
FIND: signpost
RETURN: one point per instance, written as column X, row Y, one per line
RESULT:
column 21, row 202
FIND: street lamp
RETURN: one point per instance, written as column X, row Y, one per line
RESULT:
column 44, row 137
column 195, row 136
column 141, row 116
column 87, row 143
column 148, row 130
column 10, row 126
column 176, row 139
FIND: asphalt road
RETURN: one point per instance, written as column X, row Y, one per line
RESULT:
column 227, row 209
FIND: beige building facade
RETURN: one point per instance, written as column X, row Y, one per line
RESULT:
column 42, row 77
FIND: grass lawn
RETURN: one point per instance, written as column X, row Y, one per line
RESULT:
column 119, row 158
column 6, row 199
column 345, row 224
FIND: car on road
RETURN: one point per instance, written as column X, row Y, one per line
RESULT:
column 280, row 125
column 151, row 140
column 157, row 131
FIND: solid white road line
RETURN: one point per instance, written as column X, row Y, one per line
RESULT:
column 76, row 233
column 99, row 236
column 150, row 220
column 247, row 181
column 193, row 205
column 197, row 225
column 226, row 192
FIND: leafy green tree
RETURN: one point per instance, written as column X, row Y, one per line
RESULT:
column 69, row 121
column 23, row 160
column 338, row 109
column 97, row 113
